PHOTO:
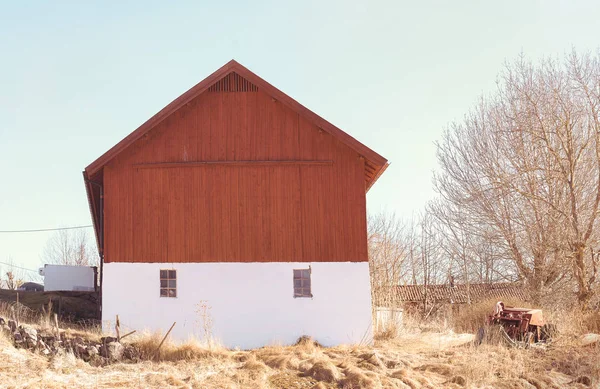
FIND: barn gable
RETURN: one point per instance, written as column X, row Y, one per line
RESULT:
column 298, row 144
column 226, row 79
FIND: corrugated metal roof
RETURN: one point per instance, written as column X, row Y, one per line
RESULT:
column 457, row 294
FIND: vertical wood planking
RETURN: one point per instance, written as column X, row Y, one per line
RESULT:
column 235, row 213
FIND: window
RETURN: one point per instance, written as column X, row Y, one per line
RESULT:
column 302, row 283
column 168, row 283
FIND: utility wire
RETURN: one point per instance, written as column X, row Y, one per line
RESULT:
column 43, row 229
column 18, row 267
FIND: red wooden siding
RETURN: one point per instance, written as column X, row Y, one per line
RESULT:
column 235, row 176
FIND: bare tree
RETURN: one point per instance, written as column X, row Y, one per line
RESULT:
column 387, row 256
column 13, row 277
column 401, row 253
column 471, row 249
column 70, row 247
column 433, row 262
column 525, row 163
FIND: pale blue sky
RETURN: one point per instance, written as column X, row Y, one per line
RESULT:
column 76, row 78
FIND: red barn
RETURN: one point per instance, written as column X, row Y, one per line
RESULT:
column 236, row 197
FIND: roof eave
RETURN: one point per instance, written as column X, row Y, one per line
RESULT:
column 376, row 177
column 91, row 201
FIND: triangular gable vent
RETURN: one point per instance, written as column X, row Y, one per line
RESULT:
column 233, row 82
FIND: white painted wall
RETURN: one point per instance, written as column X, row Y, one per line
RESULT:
column 63, row 277
column 252, row 304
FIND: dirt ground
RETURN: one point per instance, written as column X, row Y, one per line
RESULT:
column 415, row 360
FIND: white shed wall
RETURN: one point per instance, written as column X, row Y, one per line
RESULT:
column 387, row 319
column 252, row 304
column 66, row 278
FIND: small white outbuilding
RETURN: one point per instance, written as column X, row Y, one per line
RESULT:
column 69, row 278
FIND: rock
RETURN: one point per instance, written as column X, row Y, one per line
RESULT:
column 131, row 353
column 29, row 336
column 80, row 350
column 12, row 325
column 29, row 333
column 589, row 339
column 2, row 321
column 92, row 351
column 115, row 351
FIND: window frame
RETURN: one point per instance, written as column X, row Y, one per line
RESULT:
column 303, row 277
column 170, row 282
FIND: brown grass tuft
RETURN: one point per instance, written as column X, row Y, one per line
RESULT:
column 438, row 368
column 371, row 361
column 255, row 365
column 324, row 371
column 305, row 340
column 147, row 346
column 404, row 375
column 388, row 333
column 279, row 359
column 356, row 379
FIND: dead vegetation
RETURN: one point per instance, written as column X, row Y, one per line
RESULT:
column 420, row 359
column 434, row 354
column 74, row 306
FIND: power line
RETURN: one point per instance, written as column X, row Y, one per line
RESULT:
column 43, row 229
column 18, row 267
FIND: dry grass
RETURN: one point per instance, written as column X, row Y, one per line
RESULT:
column 427, row 360
column 147, row 346
column 574, row 322
column 420, row 358
column 568, row 319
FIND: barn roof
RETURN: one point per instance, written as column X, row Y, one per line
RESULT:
column 457, row 294
column 375, row 164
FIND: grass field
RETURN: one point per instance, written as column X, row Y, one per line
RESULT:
column 411, row 360
column 420, row 355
